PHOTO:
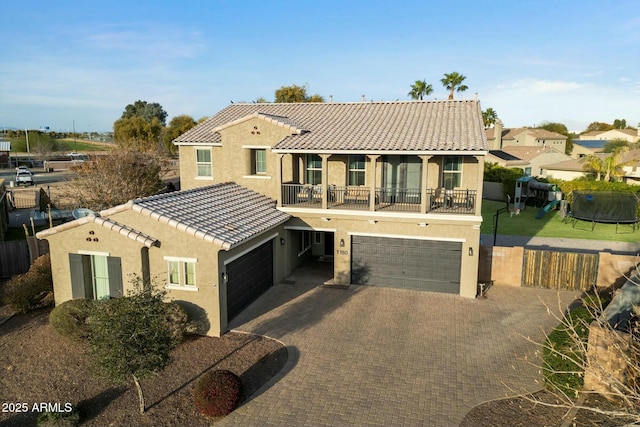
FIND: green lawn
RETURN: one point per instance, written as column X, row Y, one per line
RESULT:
column 80, row 145
column 551, row 225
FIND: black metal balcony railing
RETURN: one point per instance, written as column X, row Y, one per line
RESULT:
column 386, row 199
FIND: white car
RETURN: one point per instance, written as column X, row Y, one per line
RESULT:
column 24, row 176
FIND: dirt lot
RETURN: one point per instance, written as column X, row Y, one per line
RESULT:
column 39, row 366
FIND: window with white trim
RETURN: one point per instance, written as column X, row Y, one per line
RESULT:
column 314, row 169
column 258, row 161
column 452, row 172
column 181, row 272
column 357, row 170
column 204, row 165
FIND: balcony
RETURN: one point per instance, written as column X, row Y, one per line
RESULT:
column 460, row 201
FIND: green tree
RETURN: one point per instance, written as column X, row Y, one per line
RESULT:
column 619, row 124
column 562, row 130
column 145, row 110
column 453, row 83
column 177, row 126
column 594, row 164
column 114, row 179
column 129, row 336
column 420, row 89
column 614, row 144
column 613, row 164
column 489, row 117
column 598, row 126
column 137, row 133
column 295, row 93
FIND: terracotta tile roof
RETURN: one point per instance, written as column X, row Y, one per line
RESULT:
column 121, row 229
column 226, row 214
column 408, row 126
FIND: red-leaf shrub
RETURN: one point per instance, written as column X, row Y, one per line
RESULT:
column 217, row 393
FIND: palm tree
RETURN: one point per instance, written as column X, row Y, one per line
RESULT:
column 453, row 82
column 420, row 89
column 489, row 117
column 593, row 163
column 612, row 163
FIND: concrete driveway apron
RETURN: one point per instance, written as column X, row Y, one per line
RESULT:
column 370, row 356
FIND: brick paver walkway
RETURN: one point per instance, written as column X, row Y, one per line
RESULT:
column 371, row 356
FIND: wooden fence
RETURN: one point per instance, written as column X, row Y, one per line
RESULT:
column 559, row 270
column 14, row 258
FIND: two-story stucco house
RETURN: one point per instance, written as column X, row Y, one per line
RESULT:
column 390, row 192
column 499, row 138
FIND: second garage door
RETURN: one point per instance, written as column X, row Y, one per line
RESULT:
column 430, row 265
column 249, row 277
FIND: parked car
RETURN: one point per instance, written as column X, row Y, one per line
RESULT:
column 24, row 176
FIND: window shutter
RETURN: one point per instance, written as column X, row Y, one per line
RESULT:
column 79, row 286
column 115, row 276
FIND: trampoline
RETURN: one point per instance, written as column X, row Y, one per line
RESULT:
column 610, row 207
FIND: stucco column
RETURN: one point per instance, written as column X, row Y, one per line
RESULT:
column 478, row 201
column 325, row 179
column 424, row 202
column 279, row 180
column 373, row 160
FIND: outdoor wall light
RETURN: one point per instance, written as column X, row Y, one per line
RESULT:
column 470, row 251
column 225, row 278
column 342, row 243
column 281, row 241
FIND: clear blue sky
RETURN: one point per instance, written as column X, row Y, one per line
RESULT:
column 82, row 62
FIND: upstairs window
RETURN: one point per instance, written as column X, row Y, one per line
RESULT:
column 258, row 162
column 314, row 169
column 204, row 166
column 452, row 172
column 357, row 170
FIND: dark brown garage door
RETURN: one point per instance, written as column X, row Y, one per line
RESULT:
column 429, row 265
column 249, row 277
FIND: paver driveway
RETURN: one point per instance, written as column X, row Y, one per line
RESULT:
column 372, row 356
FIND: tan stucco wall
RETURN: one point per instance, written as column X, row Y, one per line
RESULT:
column 501, row 264
column 613, row 270
column 438, row 227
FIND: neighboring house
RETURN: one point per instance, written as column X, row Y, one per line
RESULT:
column 566, row 170
column 585, row 147
column 5, row 149
column 575, row 168
column 629, row 135
column 390, row 192
column 499, row 138
column 530, row 159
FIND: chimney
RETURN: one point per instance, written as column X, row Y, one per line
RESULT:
column 330, row 99
column 362, row 98
column 497, row 134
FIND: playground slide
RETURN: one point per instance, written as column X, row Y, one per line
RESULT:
column 546, row 209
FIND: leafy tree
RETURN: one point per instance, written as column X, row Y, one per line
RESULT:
column 177, row 126
column 614, row 144
column 420, row 89
column 145, row 110
column 129, row 338
column 453, row 83
column 613, row 163
column 620, row 124
column 115, row 179
column 137, row 133
column 261, row 100
column 295, row 93
column 489, row 117
column 599, row 126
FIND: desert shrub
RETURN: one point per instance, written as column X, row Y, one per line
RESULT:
column 26, row 292
column 69, row 319
column 59, row 419
column 217, row 393
column 177, row 321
